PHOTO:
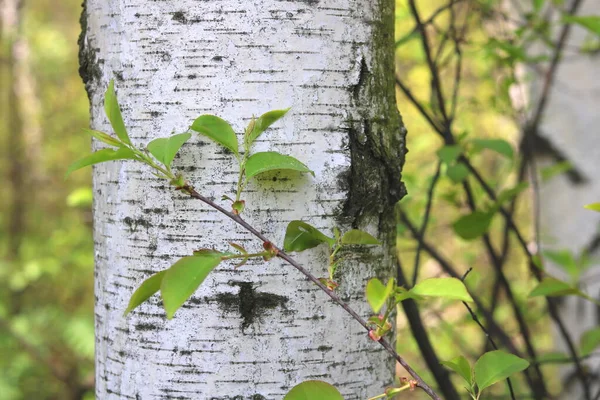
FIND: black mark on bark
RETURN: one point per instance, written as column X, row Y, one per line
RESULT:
column 250, row 303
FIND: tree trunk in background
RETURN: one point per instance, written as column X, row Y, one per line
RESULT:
column 569, row 131
column 257, row 331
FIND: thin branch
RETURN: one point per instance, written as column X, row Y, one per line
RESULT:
column 551, row 74
column 430, row 195
column 539, row 387
column 451, row 271
column 431, row 64
column 487, row 335
column 421, row 336
column 281, row 254
column 538, row 274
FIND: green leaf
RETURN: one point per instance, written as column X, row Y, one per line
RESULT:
column 101, row 156
column 472, row 226
column 145, row 291
column 263, row 122
column 564, row 259
column 218, row 130
column 552, row 287
column 500, row 146
column 103, row 137
column 356, row 236
column 593, row 207
column 378, row 293
column 272, row 161
column 300, row 236
column 313, row 390
column 461, row 366
column 449, row 154
column 509, row 194
column 590, row 340
column 495, row 366
column 556, row 169
column 165, row 149
column 457, row 173
column 113, row 112
column 447, row 288
column 589, row 22
column 183, row 278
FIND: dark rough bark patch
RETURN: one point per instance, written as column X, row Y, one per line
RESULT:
column 250, row 303
column 377, row 137
column 143, row 326
column 376, row 140
column 89, row 70
column 180, row 17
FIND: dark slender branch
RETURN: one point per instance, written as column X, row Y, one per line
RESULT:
column 487, row 335
column 551, row 74
column 539, row 387
column 281, row 254
column 451, row 271
column 430, row 195
column 407, row 92
column 430, row 62
column 538, row 274
column 421, row 336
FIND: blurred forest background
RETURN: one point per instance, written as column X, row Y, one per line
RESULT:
column 46, row 246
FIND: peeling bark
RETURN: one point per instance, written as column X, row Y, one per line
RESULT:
column 251, row 333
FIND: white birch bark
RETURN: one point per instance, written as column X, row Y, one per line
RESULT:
column 255, row 332
column 569, row 127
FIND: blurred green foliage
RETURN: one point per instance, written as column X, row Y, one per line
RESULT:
column 46, row 259
column 46, row 246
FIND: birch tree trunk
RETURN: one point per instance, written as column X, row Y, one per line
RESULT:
column 568, row 132
column 255, row 332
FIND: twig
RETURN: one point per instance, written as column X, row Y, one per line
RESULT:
column 281, row 254
column 430, row 194
column 420, row 335
column 487, row 335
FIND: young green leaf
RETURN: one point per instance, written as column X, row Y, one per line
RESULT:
column 495, row 366
column 113, row 112
column 457, row 173
column 563, row 259
column 145, row 291
column 473, row 225
column 165, row 149
column 509, row 194
column 378, row 293
column 218, row 130
column 263, row 122
column 356, row 236
column 300, row 236
column 590, row 340
column 593, row 207
column 447, row 288
column 449, row 154
column 313, row 390
column 552, row 287
column 183, row 278
column 461, row 366
column 556, row 169
column 272, row 161
column 101, row 156
column 589, row 22
column 103, row 137
column 500, row 146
